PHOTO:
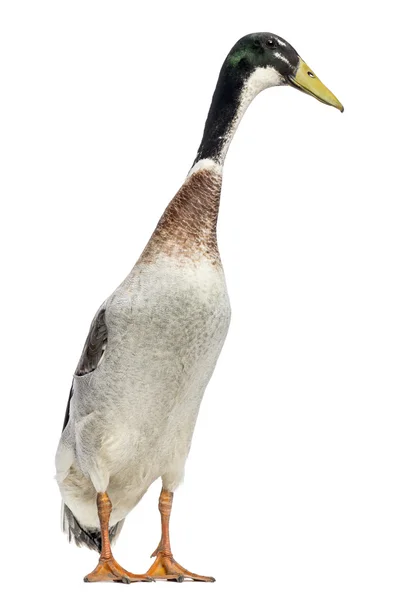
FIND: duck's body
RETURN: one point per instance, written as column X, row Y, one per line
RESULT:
column 133, row 416
column 154, row 343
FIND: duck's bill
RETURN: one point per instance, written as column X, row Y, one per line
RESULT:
column 307, row 81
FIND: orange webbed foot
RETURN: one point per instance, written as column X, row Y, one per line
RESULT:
column 165, row 567
column 109, row 570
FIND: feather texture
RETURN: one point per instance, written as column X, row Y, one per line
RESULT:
column 93, row 352
column 95, row 345
column 82, row 536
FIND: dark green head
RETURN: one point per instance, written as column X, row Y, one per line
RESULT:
column 281, row 63
column 257, row 61
column 265, row 50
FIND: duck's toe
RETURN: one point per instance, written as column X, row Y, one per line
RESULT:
column 110, row 570
column 166, row 567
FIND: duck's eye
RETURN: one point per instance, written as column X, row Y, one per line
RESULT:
column 270, row 43
column 311, row 74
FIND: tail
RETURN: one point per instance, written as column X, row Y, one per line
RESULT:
column 82, row 536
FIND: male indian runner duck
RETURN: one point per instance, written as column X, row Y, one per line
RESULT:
column 154, row 343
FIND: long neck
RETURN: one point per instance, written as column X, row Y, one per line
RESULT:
column 233, row 94
column 188, row 225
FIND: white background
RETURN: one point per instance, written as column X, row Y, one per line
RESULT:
column 299, row 482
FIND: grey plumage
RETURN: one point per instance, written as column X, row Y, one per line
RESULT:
column 150, row 352
column 93, row 351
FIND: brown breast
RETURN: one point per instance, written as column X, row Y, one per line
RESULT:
column 187, row 228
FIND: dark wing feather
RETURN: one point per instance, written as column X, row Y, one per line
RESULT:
column 93, row 351
column 67, row 413
column 82, row 536
column 94, row 346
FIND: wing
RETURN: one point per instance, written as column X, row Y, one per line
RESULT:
column 92, row 354
column 95, row 345
column 67, row 413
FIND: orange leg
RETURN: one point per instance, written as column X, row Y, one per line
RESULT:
column 108, row 569
column 165, row 566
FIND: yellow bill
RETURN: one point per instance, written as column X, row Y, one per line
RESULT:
column 306, row 80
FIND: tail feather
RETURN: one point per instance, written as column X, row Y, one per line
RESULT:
column 83, row 536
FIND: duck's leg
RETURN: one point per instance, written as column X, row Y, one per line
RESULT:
column 165, row 566
column 108, row 569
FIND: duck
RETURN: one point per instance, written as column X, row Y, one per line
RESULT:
column 154, row 342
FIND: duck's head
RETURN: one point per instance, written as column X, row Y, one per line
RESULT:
column 257, row 61
column 275, row 62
